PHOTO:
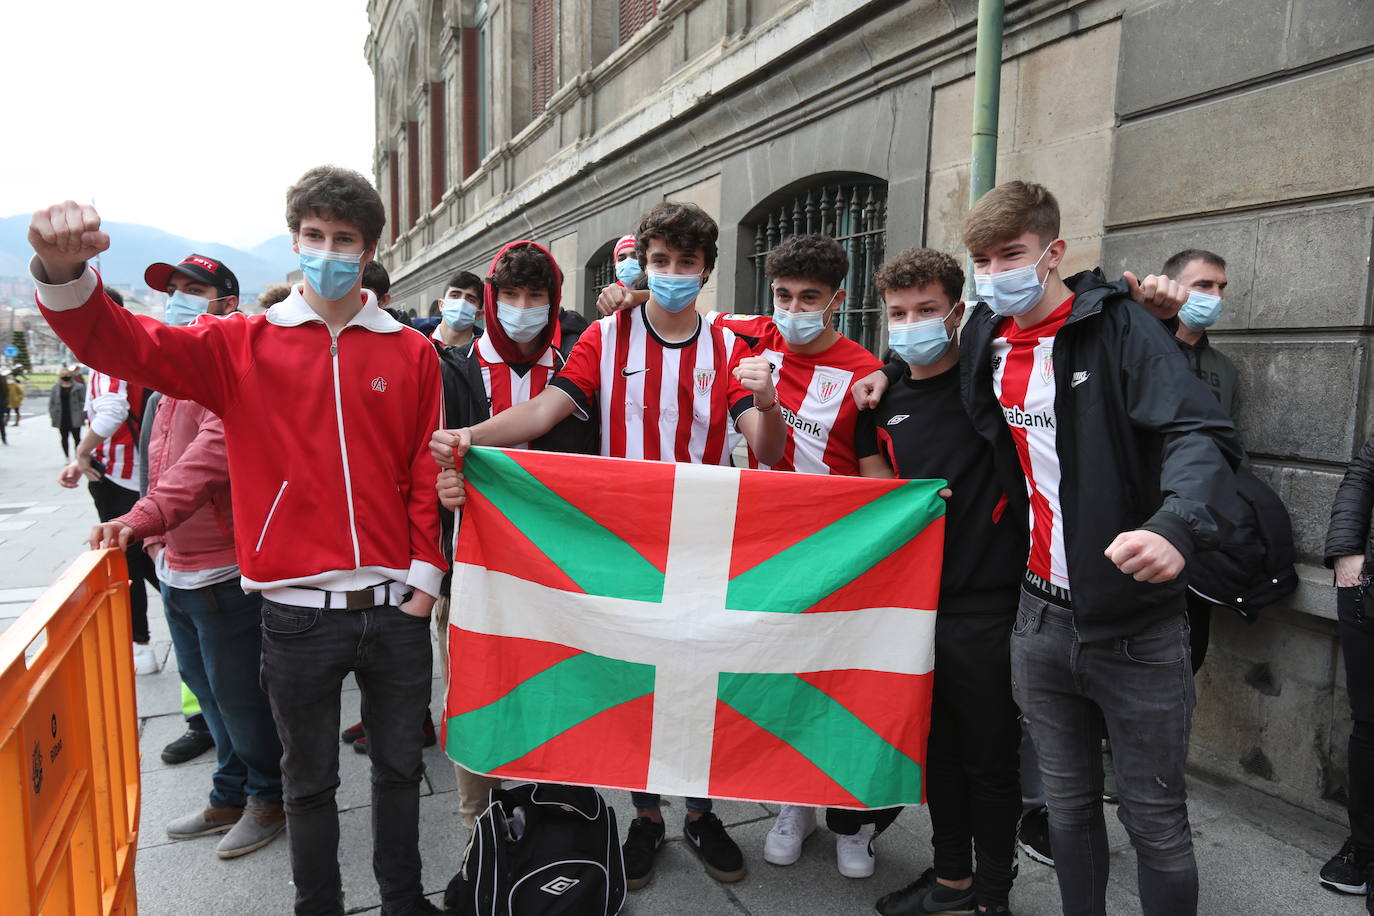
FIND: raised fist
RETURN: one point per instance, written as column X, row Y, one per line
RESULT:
column 65, row 236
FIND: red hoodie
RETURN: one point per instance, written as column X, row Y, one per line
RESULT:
column 328, row 437
column 495, row 335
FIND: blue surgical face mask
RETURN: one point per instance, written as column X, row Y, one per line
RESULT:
column 459, row 314
column 183, row 308
column 522, row 325
column 674, row 292
column 920, row 343
column 628, row 271
column 1013, row 292
column 1201, row 311
column 330, row 273
column 800, row 328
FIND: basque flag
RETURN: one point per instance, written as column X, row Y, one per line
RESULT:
column 694, row 630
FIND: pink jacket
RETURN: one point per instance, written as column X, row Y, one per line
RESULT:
column 187, row 508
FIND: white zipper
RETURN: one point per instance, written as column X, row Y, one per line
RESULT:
column 270, row 512
column 343, row 449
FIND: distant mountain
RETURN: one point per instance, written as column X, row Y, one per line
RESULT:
column 134, row 247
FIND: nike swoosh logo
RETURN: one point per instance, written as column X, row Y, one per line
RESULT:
column 629, row 372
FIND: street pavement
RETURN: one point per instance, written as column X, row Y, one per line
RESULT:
column 1257, row 855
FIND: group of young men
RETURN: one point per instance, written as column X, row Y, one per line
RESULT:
column 1086, row 462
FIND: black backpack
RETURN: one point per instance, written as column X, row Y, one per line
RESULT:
column 1254, row 568
column 541, row 849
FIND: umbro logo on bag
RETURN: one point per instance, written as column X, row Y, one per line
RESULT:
column 379, row 384
column 1078, row 379
column 559, row 886
column 897, row 419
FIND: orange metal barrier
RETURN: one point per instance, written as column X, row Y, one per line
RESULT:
column 69, row 790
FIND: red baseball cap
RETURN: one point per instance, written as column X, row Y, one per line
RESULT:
column 206, row 270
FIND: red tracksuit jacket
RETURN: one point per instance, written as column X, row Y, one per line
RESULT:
column 328, row 437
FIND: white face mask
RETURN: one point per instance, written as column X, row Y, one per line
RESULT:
column 1013, row 292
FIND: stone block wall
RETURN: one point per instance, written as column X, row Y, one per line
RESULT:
column 1254, row 138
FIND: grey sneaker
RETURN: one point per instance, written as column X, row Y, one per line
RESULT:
column 261, row 823
column 204, row 823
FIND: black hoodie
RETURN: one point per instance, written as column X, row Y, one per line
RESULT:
column 1142, row 443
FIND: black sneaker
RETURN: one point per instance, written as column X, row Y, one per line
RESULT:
column 925, row 895
column 188, row 747
column 641, row 845
column 721, row 856
column 1347, row 871
column 1033, row 836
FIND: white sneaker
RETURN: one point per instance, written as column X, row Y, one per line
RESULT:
column 854, row 854
column 783, row 845
column 145, row 659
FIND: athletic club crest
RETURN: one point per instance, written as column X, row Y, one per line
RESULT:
column 379, row 384
column 827, row 388
column 704, row 378
column 1047, row 367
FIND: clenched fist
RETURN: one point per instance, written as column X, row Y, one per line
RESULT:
column 1145, row 556
column 869, row 390
column 65, row 236
column 448, row 446
column 1159, row 295
column 452, row 490
column 755, row 374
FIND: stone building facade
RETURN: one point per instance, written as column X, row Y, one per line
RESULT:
column 1242, row 126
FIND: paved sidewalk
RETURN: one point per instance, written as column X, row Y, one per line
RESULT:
column 1257, row 855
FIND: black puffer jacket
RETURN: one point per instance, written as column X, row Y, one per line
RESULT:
column 1142, row 444
column 1350, row 532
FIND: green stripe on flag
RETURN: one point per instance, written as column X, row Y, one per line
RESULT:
column 544, row 707
column 829, row 735
column 810, row 570
column 599, row 561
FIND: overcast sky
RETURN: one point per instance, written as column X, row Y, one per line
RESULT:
column 187, row 115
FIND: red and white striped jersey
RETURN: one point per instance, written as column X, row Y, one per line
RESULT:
column 1023, row 379
column 109, row 402
column 659, row 400
column 506, row 387
column 813, row 389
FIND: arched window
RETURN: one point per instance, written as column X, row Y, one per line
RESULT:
column 852, row 209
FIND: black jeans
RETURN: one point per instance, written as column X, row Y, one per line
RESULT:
column 1141, row 688
column 973, row 786
column 112, row 501
column 63, row 432
column 306, row 652
column 1356, row 628
column 973, row 782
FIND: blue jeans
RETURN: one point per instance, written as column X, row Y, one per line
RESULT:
column 647, row 801
column 306, row 653
column 1141, row 688
column 217, row 639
